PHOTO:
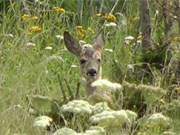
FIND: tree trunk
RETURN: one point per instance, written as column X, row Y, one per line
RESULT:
column 168, row 20
column 145, row 24
column 177, row 11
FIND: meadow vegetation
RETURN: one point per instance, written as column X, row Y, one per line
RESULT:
column 39, row 77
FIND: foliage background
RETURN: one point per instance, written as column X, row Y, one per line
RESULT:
column 27, row 71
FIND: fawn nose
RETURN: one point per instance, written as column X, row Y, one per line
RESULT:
column 91, row 72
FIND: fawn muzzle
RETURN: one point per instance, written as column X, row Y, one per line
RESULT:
column 92, row 72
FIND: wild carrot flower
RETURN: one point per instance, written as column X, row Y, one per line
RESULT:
column 30, row 44
column 100, row 107
column 9, row 35
column 106, row 85
column 48, row 48
column 77, row 107
column 42, row 122
column 158, row 120
column 94, row 130
column 82, row 42
column 59, row 37
column 111, row 24
column 35, row 29
column 113, row 118
column 74, row 66
column 65, row 131
column 59, row 10
column 26, row 17
column 128, row 40
column 108, row 50
column 110, row 17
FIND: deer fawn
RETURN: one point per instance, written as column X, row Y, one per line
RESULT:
column 89, row 57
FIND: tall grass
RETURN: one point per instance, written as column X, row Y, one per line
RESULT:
column 34, row 70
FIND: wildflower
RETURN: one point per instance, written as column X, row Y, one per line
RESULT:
column 112, row 118
column 98, row 14
column 74, row 66
column 110, row 18
column 151, row 93
column 94, row 130
column 108, row 50
column 111, row 24
column 82, row 42
column 35, row 29
column 54, row 57
column 176, row 39
column 26, row 17
column 59, row 37
column 157, row 120
column 140, row 37
column 90, row 30
column 131, row 115
column 10, row 35
column 65, row 131
column 130, row 67
column 59, row 10
column 106, row 85
column 168, row 133
column 30, row 44
column 42, row 122
column 48, row 48
column 100, row 107
column 128, row 39
column 77, row 107
column 81, row 32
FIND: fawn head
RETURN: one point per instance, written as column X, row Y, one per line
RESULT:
column 89, row 56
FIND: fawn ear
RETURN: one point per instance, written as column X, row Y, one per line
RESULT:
column 99, row 42
column 72, row 44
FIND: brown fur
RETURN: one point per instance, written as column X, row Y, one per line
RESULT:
column 90, row 59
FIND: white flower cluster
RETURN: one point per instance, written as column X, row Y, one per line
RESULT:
column 42, row 122
column 100, row 107
column 113, row 118
column 77, row 107
column 150, row 93
column 110, row 24
column 65, row 131
column 158, row 120
column 93, row 131
column 128, row 39
column 106, row 85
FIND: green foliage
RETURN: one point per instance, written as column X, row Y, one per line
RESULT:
column 38, row 76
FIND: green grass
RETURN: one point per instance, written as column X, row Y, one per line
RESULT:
column 27, row 71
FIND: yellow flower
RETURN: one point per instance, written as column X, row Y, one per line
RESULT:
column 35, row 29
column 26, row 17
column 140, row 37
column 99, row 14
column 34, row 18
column 176, row 39
column 90, row 30
column 110, row 17
column 81, row 32
column 59, row 10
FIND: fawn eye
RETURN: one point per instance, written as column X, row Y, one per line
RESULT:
column 99, row 60
column 82, row 61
